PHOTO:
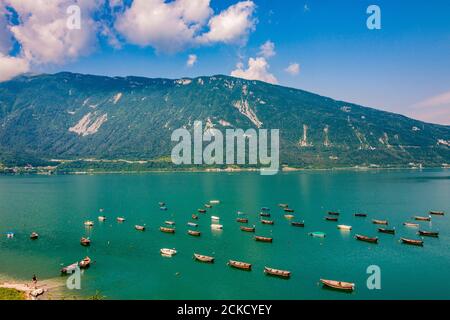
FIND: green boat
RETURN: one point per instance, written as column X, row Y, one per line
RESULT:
column 318, row 234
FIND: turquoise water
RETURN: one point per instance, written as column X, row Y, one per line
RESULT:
column 128, row 264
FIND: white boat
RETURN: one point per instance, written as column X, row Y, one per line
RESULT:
column 215, row 218
column 240, row 213
column 89, row 223
column 192, row 224
column 216, row 226
column 10, row 235
column 120, row 219
column 168, row 252
column 344, row 227
column 101, row 218
column 214, row 201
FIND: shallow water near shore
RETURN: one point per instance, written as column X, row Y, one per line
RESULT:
column 127, row 263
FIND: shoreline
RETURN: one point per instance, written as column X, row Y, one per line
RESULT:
column 47, row 289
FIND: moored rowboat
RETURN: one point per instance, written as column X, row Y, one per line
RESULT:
column 139, row 228
column 339, row 285
column 263, row 239
column 89, row 223
column 437, row 213
column 214, row 201
column 34, row 236
column 344, row 227
column 169, row 223
column 434, row 234
column 215, row 218
column 385, row 222
column 317, row 234
column 70, row 268
column 298, row 224
column 85, row 242
column 412, row 242
column 267, row 222
column 366, row 239
column 120, row 219
column 216, row 226
column 388, row 231
column 194, row 233
column 192, row 224
column 195, row 217
column 240, row 265
column 167, row 230
column 411, row 225
column 277, row 272
column 242, row 220
column 168, row 252
column 361, row 215
column 264, row 214
column 85, row 263
column 201, row 210
column 202, row 258
column 333, row 213
column 331, row 219
column 283, row 205
column 101, row 218
column 248, row 229
column 422, row 218
column 288, row 210
column 289, row 216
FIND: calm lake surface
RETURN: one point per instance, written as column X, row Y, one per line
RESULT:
column 128, row 264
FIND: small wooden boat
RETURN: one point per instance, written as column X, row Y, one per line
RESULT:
column 288, row 210
column 34, row 235
column 338, row 285
column 70, row 268
column 214, row 201
column 240, row 265
column 366, row 239
column 264, row 214
column 344, row 227
column 89, row 223
column 169, row 223
column 101, row 218
column 85, row 263
column 248, row 229
column 333, row 213
column 202, row 258
column 298, row 224
column 168, row 252
column 289, row 216
column 434, row 234
column 208, row 206
column 167, row 230
column 388, row 231
column 194, row 233
column 277, row 272
column 317, row 234
column 283, row 205
column 139, row 228
column 265, row 209
column 263, row 239
column 361, row 215
column 412, row 242
column 192, row 224
column 384, row 222
column 411, row 225
column 242, row 220
column 267, row 222
column 417, row 218
column 120, row 219
column 215, row 226
column 85, row 242
column 195, row 217
column 437, row 213
column 163, row 208
column 215, row 218
column 331, row 219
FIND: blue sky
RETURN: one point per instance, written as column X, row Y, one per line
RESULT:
column 404, row 67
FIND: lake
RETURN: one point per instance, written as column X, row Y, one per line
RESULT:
column 128, row 264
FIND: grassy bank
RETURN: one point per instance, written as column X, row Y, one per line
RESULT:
column 11, row 294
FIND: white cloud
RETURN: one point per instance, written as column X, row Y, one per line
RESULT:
column 258, row 69
column 12, row 66
column 293, row 69
column 267, row 50
column 192, row 59
column 231, row 25
column 435, row 109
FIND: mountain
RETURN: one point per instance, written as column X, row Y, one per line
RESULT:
column 72, row 116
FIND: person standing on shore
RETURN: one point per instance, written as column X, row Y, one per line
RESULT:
column 34, row 281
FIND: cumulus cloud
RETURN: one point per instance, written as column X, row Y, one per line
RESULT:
column 11, row 67
column 267, row 50
column 231, row 25
column 293, row 69
column 258, row 69
column 192, row 59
